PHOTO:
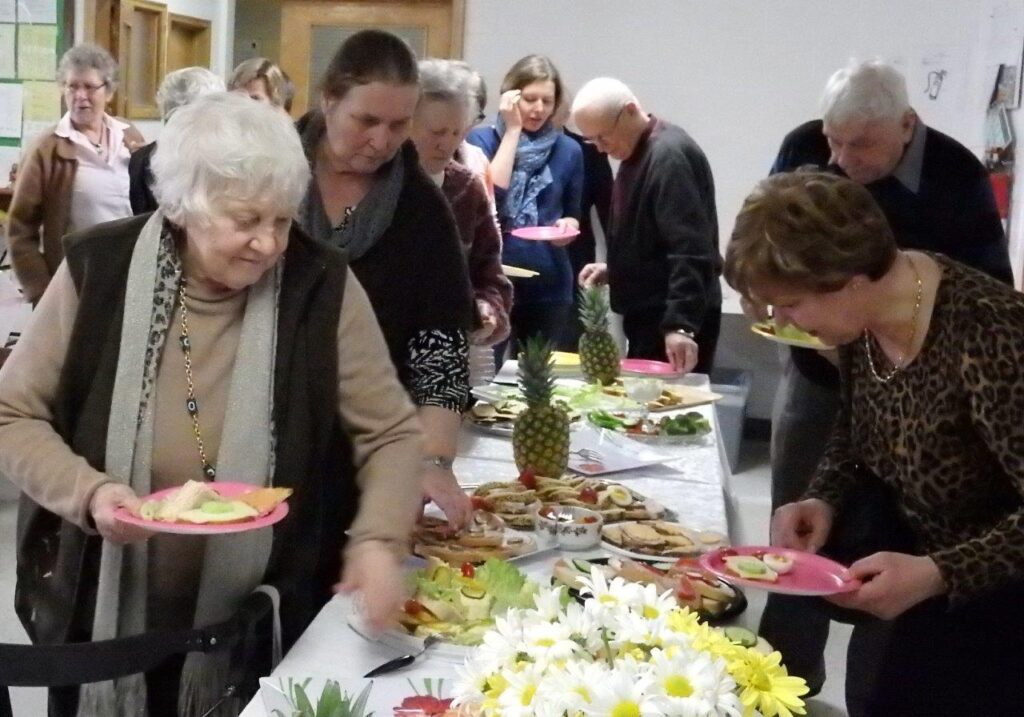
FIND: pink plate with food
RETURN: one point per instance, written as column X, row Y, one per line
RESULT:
column 544, row 233
column 645, row 367
column 209, row 509
column 779, row 570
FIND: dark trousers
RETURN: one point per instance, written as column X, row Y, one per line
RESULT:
column 528, row 320
column 802, row 420
column 646, row 339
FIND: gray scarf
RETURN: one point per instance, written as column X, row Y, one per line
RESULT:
column 360, row 231
column 233, row 565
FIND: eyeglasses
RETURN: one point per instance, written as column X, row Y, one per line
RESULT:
column 603, row 137
column 73, row 88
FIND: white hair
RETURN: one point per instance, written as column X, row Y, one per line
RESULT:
column 183, row 86
column 864, row 90
column 604, row 94
column 86, row 56
column 224, row 146
column 443, row 81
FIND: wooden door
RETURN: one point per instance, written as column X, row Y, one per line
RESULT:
column 312, row 30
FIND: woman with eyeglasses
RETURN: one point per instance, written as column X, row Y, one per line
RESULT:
column 73, row 176
column 538, row 181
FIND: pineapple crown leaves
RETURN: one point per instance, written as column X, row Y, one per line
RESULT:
column 536, row 371
column 593, row 301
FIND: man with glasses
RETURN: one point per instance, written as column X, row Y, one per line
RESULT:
column 663, row 259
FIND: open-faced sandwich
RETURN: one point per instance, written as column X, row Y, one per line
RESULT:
column 484, row 538
column 691, row 585
column 198, row 503
column 661, row 538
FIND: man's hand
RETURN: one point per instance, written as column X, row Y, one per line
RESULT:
column 105, row 500
column 804, row 525
column 508, row 107
column 593, row 275
column 892, row 584
column 372, row 570
column 441, row 487
column 567, row 225
column 681, row 351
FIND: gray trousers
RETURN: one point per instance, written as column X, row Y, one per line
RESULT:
column 803, row 416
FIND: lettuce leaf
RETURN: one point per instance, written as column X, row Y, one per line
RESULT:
column 508, row 586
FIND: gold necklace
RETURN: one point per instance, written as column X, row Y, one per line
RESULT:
column 900, row 363
column 191, row 404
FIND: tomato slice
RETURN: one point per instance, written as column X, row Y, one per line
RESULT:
column 479, row 502
column 413, row 607
column 528, row 478
column 468, row 570
column 588, row 495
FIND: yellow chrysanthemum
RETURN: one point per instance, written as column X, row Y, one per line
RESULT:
column 683, row 620
column 766, row 686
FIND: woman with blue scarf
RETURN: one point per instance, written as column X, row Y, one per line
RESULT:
column 538, row 181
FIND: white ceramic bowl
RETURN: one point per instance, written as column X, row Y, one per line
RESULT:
column 572, row 528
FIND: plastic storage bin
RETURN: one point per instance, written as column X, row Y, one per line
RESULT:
column 734, row 387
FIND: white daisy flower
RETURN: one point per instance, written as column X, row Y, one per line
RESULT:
column 693, row 684
column 623, row 693
column 549, row 604
column 549, row 642
column 576, row 684
column 520, row 698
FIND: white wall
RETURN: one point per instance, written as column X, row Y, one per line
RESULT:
column 739, row 74
column 220, row 13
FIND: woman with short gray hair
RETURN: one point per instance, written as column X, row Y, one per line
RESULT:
column 441, row 121
column 74, row 175
column 209, row 341
column 178, row 89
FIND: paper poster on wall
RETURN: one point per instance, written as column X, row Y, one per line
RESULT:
column 37, row 51
column 7, row 11
column 30, row 129
column 7, row 68
column 37, row 12
column 42, row 101
column 10, row 110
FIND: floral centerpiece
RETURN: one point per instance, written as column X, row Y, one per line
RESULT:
column 625, row 652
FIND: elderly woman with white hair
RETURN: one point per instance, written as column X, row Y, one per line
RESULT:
column 211, row 340
column 74, row 175
column 442, row 118
column 177, row 90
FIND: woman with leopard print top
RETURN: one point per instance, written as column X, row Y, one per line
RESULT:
column 930, row 354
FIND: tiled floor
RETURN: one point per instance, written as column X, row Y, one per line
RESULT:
column 749, row 509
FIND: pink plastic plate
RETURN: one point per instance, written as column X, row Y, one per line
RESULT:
column 228, row 490
column 811, row 574
column 648, row 368
column 544, row 233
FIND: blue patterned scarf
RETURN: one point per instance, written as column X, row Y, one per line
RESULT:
column 530, row 175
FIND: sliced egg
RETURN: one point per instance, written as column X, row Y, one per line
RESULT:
column 219, row 511
column 620, row 495
column 750, row 568
column 778, row 562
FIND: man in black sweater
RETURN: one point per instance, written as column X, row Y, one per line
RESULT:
column 663, row 258
column 936, row 196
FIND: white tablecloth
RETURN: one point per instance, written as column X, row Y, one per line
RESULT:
column 691, row 485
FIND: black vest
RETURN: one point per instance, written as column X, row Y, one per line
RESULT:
column 58, row 564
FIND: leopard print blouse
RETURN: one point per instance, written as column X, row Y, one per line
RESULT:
column 947, row 433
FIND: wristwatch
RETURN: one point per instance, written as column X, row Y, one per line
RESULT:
column 442, row 462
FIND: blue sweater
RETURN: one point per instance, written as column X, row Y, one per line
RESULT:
column 559, row 199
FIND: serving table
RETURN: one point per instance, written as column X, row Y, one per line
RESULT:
column 692, row 485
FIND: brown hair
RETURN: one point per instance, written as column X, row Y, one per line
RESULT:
column 808, row 230
column 369, row 56
column 260, row 68
column 530, row 69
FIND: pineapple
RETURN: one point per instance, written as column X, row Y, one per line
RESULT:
column 540, row 437
column 599, row 354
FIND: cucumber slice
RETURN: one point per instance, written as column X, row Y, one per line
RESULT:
column 741, row 636
column 474, row 591
column 582, row 565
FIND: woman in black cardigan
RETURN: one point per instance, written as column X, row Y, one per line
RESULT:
column 369, row 196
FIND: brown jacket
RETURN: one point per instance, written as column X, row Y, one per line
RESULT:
column 41, row 207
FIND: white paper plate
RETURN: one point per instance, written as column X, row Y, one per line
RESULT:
column 616, row 452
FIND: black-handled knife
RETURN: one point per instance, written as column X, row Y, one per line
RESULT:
column 403, row 661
